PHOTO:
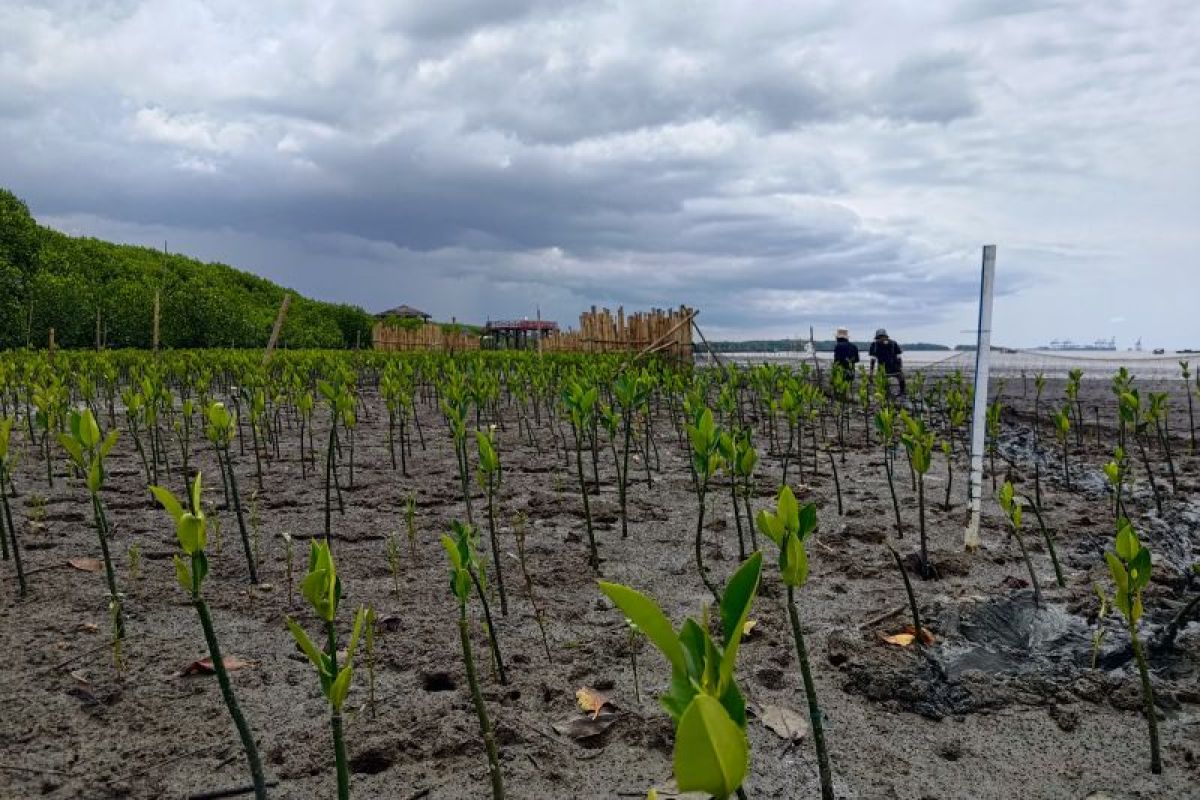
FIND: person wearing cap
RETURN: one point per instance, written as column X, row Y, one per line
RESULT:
column 887, row 352
column 845, row 353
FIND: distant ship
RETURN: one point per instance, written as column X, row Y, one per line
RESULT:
column 1067, row 344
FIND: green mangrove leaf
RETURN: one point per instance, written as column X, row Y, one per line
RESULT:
column 647, row 615
column 341, row 687
column 306, row 646
column 167, row 500
column 183, row 574
column 191, row 533
column 711, row 751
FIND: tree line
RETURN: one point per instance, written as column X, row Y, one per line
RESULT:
column 95, row 292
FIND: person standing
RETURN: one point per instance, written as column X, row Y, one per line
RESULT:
column 845, row 353
column 887, row 352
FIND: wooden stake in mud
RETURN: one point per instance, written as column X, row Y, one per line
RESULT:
column 279, row 318
column 51, row 344
column 708, row 347
column 983, row 348
column 157, row 306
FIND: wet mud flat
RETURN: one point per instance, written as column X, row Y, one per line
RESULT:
column 1004, row 703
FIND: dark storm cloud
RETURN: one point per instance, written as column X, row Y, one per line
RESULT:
column 822, row 161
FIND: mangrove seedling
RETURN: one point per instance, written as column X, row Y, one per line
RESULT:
column 788, row 527
column 1160, row 415
column 632, row 393
column 1187, row 390
column 340, row 401
column 1130, row 410
column 919, row 443
column 739, row 458
column 87, row 452
column 706, row 458
column 222, row 426
column 369, row 654
column 322, row 588
column 1114, row 473
column 1048, row 539
column 489, row 471
column 455, row 407
column 712, row 753
column 460, row 549
column 1012, row 510
column 1130, row 568
column 135, row 562
column 190, row 570
column 993, row 437
column 6, row 520
column 913, row 608
column 1072, row 391
column 1062, row 430
column 1039, row 384
column 948, row 451
column 392, row 543
column 539, row 615
column 580, row 401
column 885, row 424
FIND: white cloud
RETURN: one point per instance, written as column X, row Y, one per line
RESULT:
column 192, row 131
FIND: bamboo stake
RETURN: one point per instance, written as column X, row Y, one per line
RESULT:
column 283, row 309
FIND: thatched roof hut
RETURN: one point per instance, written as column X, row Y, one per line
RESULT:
column 403, row 312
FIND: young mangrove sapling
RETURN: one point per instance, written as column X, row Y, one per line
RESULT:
column 788, row 527
column 1130, row 568
column 322, row 588
column 712, row 753
column 460, row 549
column 191, row 570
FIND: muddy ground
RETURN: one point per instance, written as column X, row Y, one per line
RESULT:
column 1004, row 705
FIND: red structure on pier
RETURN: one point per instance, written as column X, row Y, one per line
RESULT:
column 518, row 334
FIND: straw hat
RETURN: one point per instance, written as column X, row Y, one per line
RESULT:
column 843, row 333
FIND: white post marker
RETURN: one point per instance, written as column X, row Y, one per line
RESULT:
column 983, row 353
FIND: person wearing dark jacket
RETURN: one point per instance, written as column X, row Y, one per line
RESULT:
column 845, row 353
column 887, row 352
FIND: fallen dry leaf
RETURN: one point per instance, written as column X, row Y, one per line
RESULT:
column 591, row 701
column 204, row 666
column 586, row 727
column 784, row 722
column 85, row 564
column 899, row 639
column 81, row 677
column 907, row 636
column 748, row 627
column 88, row 627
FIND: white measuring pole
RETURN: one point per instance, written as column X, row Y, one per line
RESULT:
column 983, row 353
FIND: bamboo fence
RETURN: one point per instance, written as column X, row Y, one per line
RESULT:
column 663, row 331
column 428, row 337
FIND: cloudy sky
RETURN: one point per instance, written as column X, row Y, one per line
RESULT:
column 777, row 165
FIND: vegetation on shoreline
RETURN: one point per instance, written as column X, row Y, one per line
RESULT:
column 91, row 291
